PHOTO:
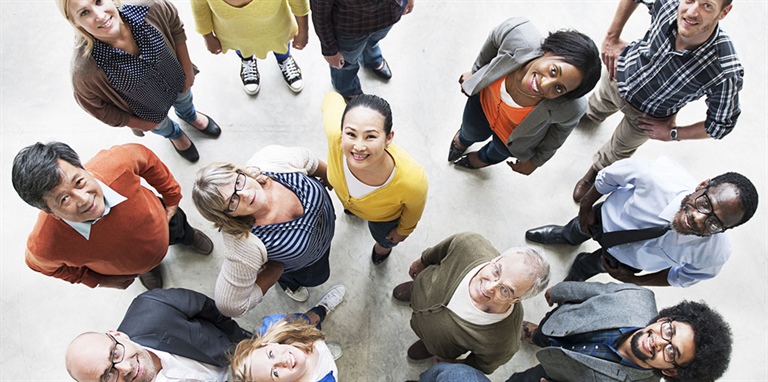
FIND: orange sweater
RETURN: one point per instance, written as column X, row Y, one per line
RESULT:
column 131, row 239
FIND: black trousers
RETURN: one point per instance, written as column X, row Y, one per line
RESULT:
column 310, row 276
column 179, row 230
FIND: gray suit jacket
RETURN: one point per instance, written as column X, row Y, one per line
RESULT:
column 509, row 46
column 586, row 307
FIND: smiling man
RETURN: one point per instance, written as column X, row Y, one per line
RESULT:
column 655, row 220
column 99, row 226
column 611, row 332
column 684, row 56
column 466, row 298
column 166, row 335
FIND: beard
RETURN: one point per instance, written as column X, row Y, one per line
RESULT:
column 635, row 346
column 684, row 214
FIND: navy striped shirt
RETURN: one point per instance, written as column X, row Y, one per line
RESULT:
column 658, row 80
column 150, row 82
column 301, row 242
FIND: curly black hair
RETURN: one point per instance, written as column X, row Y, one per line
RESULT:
column 578, row 50
column 712, row 338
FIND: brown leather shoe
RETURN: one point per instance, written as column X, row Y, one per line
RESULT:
column 202, row 244
column 418, row 351
column 403, row 291
column 584, row 184
column 152, row 279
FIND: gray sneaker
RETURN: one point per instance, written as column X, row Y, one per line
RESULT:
column 335, row 350
column 332, row 298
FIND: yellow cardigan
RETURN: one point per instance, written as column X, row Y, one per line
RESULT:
column 404, row 197
column 260, row 27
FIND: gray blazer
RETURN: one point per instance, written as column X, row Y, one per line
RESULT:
column 509, row 46
column 585, row 307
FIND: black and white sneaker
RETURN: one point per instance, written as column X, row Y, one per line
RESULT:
column 292, row 74
column 249, row 73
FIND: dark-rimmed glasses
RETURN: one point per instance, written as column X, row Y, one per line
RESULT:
column 115, row 356
column 703, row 204
column 507, row 293
column 234, row 200
column 667, row 332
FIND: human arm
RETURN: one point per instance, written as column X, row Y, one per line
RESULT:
column 522, row 167
column 182, row 54
column 414, row 198
column 148, row 166
column 408, row 7
column 586, row 209
column 116, row 282
column 573, row 292
column 623, row 273
column 45, row 263
column 612, row 43
column 203, row 15
column 322, row 20
column 463, row 77
column 458, row 243
column 416, row 267
column 301, row 38
column 238, row 288
column 212, row 43
column 268, row 275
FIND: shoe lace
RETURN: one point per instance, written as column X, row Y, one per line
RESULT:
column 289, row 68
column 250, row 71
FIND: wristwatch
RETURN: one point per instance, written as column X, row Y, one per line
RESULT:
column 673, row 133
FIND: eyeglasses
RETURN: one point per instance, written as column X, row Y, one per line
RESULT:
column 234, row 200
column 703, row 204
column 116, row 356
column 667, row 332
column 507, row 293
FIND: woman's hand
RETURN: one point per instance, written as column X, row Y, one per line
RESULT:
column 301, row 39
column 525, row 168
column 212, row 43
column 269, row 273
column 463, row 77
column 395, row 237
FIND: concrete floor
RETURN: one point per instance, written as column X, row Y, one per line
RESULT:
column 427, row 51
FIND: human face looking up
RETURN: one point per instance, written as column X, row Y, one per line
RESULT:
column 78, row 197
column 648, row 345
column 99, row 18
column 249, row 194
column 723, row 202
column 276, row 362
column 363, row 138
column 549, row 77
column 485, row 287
column 89, row 359
column 696, row 20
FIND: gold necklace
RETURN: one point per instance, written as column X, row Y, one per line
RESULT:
column 515, row 81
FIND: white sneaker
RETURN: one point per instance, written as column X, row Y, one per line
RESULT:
column 335, row 350
column 249, row 74
column 300, row 295
column 292, row 74
column 332, row 298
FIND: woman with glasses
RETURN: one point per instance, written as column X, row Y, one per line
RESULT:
column 131, row 64
column 373, row 178
column 276, row 220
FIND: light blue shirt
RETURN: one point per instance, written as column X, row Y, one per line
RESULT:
column 645, row 193
column 111, row 199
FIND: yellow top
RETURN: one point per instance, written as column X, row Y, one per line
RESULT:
column 259, row 27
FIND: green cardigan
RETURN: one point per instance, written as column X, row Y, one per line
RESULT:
column 444, row 333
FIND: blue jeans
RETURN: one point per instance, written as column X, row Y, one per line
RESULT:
column 279, row 57
column 345, row 80
column 450, row 372
column 184, row 109
column 476, row 128
column 380, row 230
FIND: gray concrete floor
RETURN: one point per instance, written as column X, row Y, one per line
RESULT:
column 427, row 51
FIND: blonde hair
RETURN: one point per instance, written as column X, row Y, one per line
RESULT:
column 82, row 38
column 211, row 204
column 288, row 331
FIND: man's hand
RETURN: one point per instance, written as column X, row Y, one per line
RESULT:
column 408, row 7
column 117, row 282
column 170, row 211
column 586, row 219
column 525, row 168
column 657, row 129
column 395, row 237
column 212, row 43
column 336, row 61
column 621, row 272
column 416, row 268
column 612, row 47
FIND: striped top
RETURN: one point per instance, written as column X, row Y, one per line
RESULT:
column 301, row 242
column 659, row 80
column 149, row 82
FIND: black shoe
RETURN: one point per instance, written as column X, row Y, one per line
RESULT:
column 152, row 279
column 548, row 234
column 378, row 259
column 212, row 129
column 384, row 72
column 455, row 152
column 190, row 153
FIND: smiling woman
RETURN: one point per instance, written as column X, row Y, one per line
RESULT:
column 525, row 94
column 374, row 179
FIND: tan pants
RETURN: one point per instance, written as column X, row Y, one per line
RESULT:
column 628, row 136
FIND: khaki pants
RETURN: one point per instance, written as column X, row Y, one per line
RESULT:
column 628, row 136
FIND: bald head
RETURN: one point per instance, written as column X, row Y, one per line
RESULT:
column 91, row 355
column 86, row 354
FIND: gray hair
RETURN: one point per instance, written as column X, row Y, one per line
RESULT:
column 538, row 265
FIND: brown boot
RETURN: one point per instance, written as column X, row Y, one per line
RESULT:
column 584, row 184
column 403, row 291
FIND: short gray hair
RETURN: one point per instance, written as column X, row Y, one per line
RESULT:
column 539, row 268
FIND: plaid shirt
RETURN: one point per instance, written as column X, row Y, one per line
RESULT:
column 658, row 80
column 599, row 344
column 351, row 18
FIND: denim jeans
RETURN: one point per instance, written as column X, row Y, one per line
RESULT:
column 280, row 57
column 446, row 372
column 345, row 80
column 476, row 128
column 380, row 230
column 184, row 109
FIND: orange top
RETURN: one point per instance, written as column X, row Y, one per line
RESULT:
column 503, row 118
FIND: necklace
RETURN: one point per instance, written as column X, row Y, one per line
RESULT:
column 515, row 82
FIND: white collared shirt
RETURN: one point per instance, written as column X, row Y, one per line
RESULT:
column 176, row 368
